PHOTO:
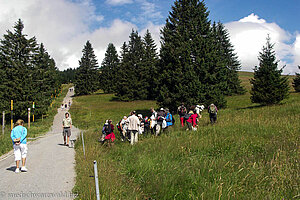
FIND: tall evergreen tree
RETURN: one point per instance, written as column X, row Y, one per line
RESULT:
column 86, row 78
column 132, row 67
column 28, row 74
column 230, row 59
column 296, row 81
column 150, row 62
column 189, row 67
column 46, row 80
column 17, row 54
column 109, row 69
column 268, row 86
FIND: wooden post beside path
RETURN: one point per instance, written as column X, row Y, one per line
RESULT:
column 28, row 118
column 3, row 122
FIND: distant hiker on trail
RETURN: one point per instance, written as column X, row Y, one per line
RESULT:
column 62, row 106
column 153, row 121
column 69, row 104
column 212, row 110
column 67, row 125
column 181, row 112
column 66, row 106
column 18, row 136
column 107, row 133
column 133, row 127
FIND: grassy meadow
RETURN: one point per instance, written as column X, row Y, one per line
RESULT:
column 40, row 126
column 251, row 153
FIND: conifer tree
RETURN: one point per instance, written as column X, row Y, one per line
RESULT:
column 189, row 67
column 109, row 69
column 132, row 67
column 86, row 78
column 150, row 62
column 268, row 86
column 17, row 54
column 296, row 81
column 230, row 59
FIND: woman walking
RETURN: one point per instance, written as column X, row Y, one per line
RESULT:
column 18, row 136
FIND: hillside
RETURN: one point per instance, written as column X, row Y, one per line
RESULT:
column 251, row 153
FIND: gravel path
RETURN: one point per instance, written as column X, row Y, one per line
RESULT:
column 51, row 173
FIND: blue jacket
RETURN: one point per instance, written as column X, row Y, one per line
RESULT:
column 169, row 118
column 19, row 132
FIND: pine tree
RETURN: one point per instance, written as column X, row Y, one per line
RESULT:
column 86, row 79
column 109, row 69
column 296, row 81
column 268, row 86
column 46, row 80
column 17, row 54
column 132, row 67
column 189, row 65
column 150, row 62
column 230, row 59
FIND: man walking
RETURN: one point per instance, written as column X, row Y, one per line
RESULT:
column 133, row 127
column 67, row 125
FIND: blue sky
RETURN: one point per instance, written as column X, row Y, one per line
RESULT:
column 64, row 26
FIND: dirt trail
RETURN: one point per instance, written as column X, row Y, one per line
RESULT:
column 51, row 172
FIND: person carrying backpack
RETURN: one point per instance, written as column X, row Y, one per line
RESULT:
column 169, row 119
column 181, row 112
column 107, row 132
column 212, row 110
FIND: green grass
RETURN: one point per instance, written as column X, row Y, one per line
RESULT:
column 251, row 153
column 40, row 126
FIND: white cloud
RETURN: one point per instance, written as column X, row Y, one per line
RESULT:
column 248, row 35
column 63, row 26
column 296, row 52
column 118, row 2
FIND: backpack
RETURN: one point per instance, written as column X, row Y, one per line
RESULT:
column 187, row 116
column 107, row 129
column 119, row 125
column 212, row 109
column 182, row 110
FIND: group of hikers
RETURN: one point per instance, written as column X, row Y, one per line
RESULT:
column 131, row 126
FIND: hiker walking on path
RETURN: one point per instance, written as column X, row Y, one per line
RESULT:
column 67, row 125
column 182, row 111
column 18, row 136
column 133, row 127
column 212, row 110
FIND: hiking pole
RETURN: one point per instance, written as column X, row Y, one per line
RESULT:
column 96, row 180
column 83, row 144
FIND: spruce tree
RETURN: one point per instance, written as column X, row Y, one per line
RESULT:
column 230, row 59
column 268, row 86
column 132, row 67
column 296, row 81
column 109, row 69
column 150, row 62
column 17, row 54
column 86, row 78
column 190, row 70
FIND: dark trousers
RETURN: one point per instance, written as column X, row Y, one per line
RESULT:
column 213, row 118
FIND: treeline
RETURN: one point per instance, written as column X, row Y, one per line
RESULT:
column 196, row 62
column 28, row 73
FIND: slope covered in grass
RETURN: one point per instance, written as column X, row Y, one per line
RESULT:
column 251, row 153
